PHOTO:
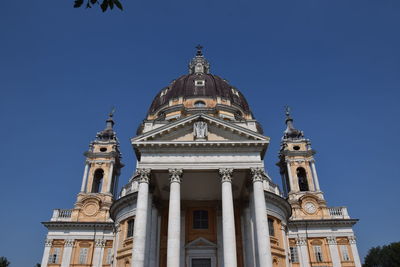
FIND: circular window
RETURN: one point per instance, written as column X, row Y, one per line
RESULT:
column 199, row 104
column 103, row 149
column 296, row 147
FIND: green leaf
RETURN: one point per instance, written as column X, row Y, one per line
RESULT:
column 78, row 3
column 111, row 4
column 118, row 4
column 104, row 5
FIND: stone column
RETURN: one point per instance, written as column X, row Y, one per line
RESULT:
column 110, row 176
column 285, row 243
column 98, row 252
column 84, row 178
column 289, row 172
column 301, row 243
column 174, row 218
column 66, row 257
column 248, row 237
column 153, row 237
column 333, row 250
column 228, row 219
column 260, row 208
column 315, row 176
column 139, row 231
column 148, row 230
column 46, row 254
column 354, row 250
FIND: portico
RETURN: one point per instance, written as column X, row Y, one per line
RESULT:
column 185, row 192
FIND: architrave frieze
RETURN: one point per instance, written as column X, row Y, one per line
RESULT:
column 322, row 222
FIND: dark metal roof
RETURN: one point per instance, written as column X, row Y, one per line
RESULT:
column 185, row 87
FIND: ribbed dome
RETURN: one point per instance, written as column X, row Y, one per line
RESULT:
column 185, row 86
column 200, row 85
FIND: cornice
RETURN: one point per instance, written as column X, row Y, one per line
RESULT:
column 307, row 153
column 280, row 201
column 189, row 119
column 121, row 203
column 322, row 222
column 68, row 225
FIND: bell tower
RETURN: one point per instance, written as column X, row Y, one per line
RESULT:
column 298, row 172
column 100, row 177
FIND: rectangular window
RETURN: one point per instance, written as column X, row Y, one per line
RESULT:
column 318, row 254
column 294, row 255
column 109, row 256
column 344, row 252
column 199, row 82
column 200, row 219
column 271, row 227
column 201, row 262
column 131, row 224
column 55, row 256
column 83, row 254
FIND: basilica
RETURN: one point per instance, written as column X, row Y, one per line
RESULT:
column 200, row 195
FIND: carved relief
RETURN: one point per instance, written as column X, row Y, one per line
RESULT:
column 144, row 175
column 91, row 208
column 226, row 174
column 48, row 242
column 100, row 243
column 301, row 241
column 200, row 130
column 69, row 243
column 331, row 240
column 175, row 175
column 258, row 174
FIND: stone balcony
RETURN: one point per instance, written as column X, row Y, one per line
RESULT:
column 338, row 212
column 61, row 215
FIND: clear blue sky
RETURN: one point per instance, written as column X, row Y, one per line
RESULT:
column 337, row 63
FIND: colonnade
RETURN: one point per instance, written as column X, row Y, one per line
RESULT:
column 174, row 218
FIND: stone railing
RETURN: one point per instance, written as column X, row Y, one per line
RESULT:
column 338, row 212
column 131, row 187
column 61, row 215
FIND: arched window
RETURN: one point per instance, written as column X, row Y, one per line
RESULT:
column 97, row 180
column 199, row 104
column 302, row 176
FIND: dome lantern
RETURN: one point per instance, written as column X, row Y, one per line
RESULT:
column 199, row 64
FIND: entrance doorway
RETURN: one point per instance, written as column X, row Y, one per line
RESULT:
column 202, row 262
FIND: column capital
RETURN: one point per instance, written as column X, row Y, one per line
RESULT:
column 258, row 174
column 175, row 175
column 352, row 239
column 144, row 175
column 331, row 240
column 48, row 242
column 226, row 174
column 100, row 243
column 69, row 242
column 301, row 241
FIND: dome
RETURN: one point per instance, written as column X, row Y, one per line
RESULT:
column 199, row 91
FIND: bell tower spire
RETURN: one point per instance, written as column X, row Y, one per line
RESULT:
column 100, row 177
column 296, row 162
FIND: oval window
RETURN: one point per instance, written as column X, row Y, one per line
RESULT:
column 199, row 104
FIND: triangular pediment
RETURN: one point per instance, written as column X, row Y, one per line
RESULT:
column 184, row 130
column 201, row 243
